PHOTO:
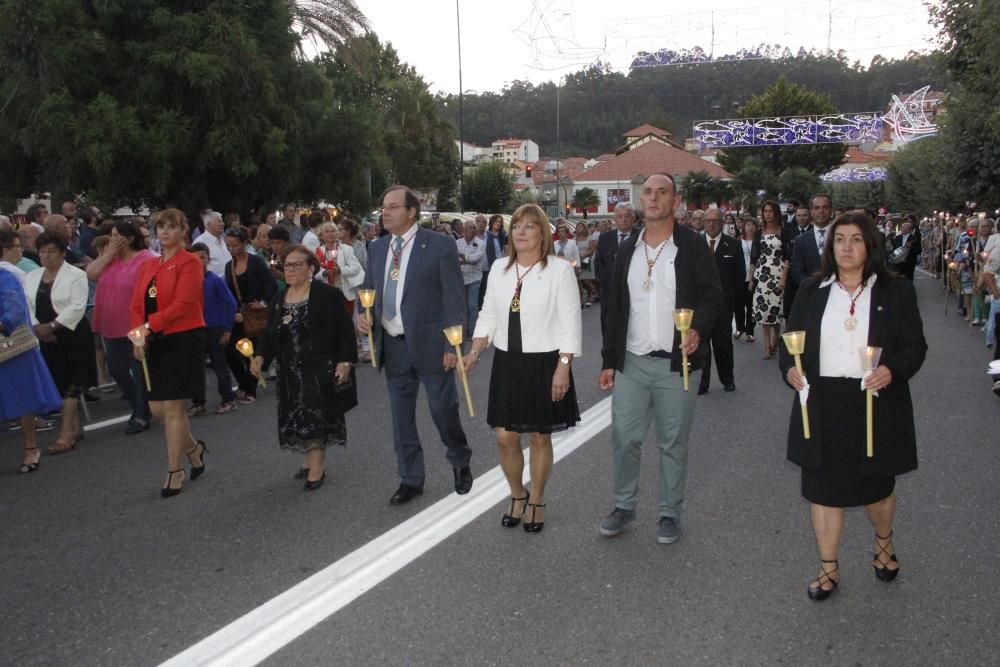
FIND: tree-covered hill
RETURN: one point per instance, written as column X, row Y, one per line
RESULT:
column 596, row 107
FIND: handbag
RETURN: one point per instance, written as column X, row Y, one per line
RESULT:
column 21, row 340
column 254, row 314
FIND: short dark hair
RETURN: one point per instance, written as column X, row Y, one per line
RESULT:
column 875, row 260
column 201, row 247
column 133, row 232
column 410, row 198
column 278, row 233
column 794, row 202
column 310, row 256
column 816, row 196
column 240, row 233
column 51, row 238
column 7, row 238
column 316, row 218
column 669, row 177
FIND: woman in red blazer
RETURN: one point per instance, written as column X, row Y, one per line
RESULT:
column 167, row 311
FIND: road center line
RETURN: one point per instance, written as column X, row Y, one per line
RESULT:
column 253, row 637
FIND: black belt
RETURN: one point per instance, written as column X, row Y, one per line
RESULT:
column 401, row 336
column 659, row 354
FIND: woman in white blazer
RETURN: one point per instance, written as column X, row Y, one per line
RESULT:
column 531, row 314
column 341, row 267
column 57, row 297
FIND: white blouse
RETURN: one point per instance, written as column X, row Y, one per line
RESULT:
column 839, row 347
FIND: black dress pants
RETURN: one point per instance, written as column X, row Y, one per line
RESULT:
column 720, row 344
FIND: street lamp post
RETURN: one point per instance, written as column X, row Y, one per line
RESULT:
column 461, row 119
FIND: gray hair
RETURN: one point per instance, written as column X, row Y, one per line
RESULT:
column 213, row 215
column 5, row 222
column 625, row 205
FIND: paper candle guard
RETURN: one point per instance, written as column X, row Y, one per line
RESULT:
column 454, row 336
column 795, row 341
column 682, row 321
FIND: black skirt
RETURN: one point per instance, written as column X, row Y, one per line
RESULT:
column 521, row 389
column 176, row 365
column 839, row 482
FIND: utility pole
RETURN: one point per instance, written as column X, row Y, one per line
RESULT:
column 461, row 118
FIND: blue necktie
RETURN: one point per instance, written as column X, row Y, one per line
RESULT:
column 389, row 295
column 821, row 241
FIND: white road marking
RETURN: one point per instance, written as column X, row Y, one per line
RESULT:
column 253, row 637
column 106, row 423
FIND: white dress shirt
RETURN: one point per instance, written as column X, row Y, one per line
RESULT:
column 709, row 239
column 651, row 312
column 311, row 241
column 838, row 350
column 550, row 308
column 568, row 251
column 218, row 253
column 472, row 267
column 747, row 247
column 394, row 327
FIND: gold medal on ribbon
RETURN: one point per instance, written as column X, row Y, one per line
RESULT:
column 394, row 274
column 287, row 319
column 515, row 305
column 152, row 291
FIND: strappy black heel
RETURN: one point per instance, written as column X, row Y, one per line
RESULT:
column 816, row 590
column 29, row 467
column 168, row 491
column 534, row 526
column 511, row 521
column 884, row 573
column 197, row 472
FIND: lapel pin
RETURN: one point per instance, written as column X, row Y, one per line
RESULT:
column 879, row 309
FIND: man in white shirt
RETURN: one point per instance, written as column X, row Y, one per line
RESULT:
column 665, row 267
column 471, row 250
column 212, row 238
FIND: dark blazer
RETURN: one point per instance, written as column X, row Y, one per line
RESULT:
column 433, row 296
column 331, row 336
column 805, row 256
column 910, row 263
column 732, row 273
column 698, row 288
column 261, row 285
column 896, row 327
column 492, row 240
column 604, row 256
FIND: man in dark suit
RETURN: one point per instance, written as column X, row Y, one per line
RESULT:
column 808, row 247
column 607, row 248
column 418, row 293
column 732, row 274
column 907, row 238
column 801, row 223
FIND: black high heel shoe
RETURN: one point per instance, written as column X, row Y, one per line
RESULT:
column 30, row 467
column 197, row 472
column 311, row 485
column 816, row 590
column 534, row 526
column 884, row 573
column 511, row 521
column 168, row 491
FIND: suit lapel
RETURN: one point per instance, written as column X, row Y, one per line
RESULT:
column 876, row 314
column 416, row 255
column 814, row 322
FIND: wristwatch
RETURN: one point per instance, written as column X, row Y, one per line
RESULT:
column 564, row 361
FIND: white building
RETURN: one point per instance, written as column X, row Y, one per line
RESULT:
column 472, row 152
column 509, row 150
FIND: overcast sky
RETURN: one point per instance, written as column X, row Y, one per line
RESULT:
column 539, row 40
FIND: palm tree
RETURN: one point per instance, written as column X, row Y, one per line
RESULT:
column 585, row 198
column 331, row 22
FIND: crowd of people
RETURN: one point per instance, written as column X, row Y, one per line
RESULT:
column 153, row 299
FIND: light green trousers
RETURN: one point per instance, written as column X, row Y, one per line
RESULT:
column 647, row 390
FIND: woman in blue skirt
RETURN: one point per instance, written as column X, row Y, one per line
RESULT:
column 26, row 386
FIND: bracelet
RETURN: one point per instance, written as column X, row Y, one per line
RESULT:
column 475, row 352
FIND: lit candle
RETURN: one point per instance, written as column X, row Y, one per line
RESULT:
column 682, row 320
column 869, row 360
column 795, row 341
column 367, row 297
column 454, row 336
column 245, row 347
column 138, row 338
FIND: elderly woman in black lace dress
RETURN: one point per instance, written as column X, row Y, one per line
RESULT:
column 310, row 334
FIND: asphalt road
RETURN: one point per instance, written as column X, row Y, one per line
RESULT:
column 99, row 570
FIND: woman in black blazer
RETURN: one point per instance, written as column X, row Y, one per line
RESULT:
column 311, row 335
column 249, row 279
column 855, row 302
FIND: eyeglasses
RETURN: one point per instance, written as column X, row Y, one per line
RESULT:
column 295, row 265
